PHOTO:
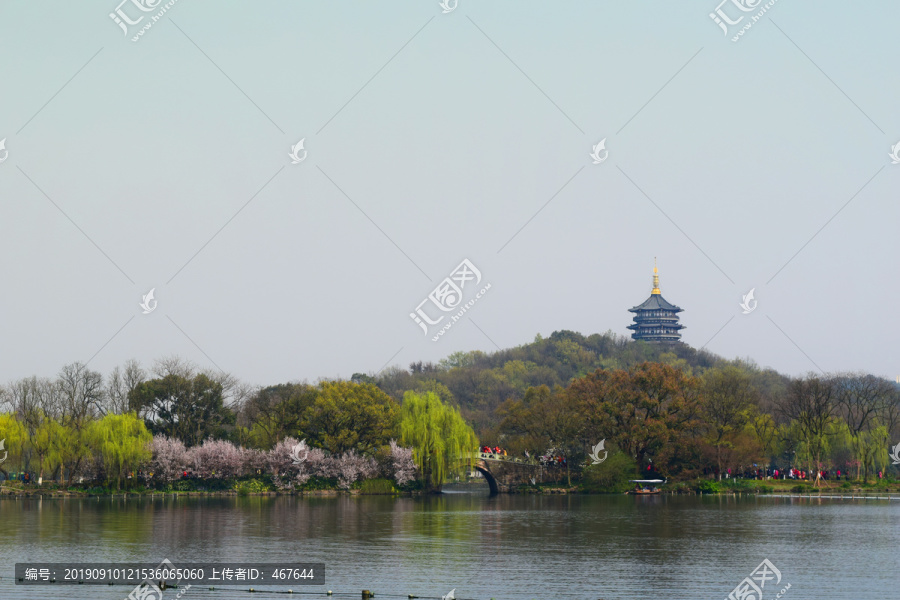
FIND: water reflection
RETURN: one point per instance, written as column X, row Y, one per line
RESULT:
column 487, row 547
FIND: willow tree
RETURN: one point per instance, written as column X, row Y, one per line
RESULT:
column 122, row 441
column 12, row 440
column 42, row 435
column 438, row 435
column 68, row 449
column 810, row 404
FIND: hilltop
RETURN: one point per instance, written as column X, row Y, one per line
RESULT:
column 479, row 382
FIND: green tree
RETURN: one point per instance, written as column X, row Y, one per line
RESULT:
column 349, row 416
column 545, row 420
column 37, row 403
column 765, row 430
column 276, row 412
column 432, row 385
column 872, row 447
column 81, row 398
column 438, row 435
column 68, row 448
column 190, row 409
column 727, row 399
column 810, row 405
column 14, row 437
column 460, row 359
column 43, row 439
column 650, row 412
column 612, row 475
column 860, row 400
column 122, row 442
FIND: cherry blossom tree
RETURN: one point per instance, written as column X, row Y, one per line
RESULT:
column 400, row 465
column 169, row 458
column 216, row 459
column 290, row 463
column 351, row 467
column 253, row 460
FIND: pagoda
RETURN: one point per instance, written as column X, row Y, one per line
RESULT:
column 655, row 320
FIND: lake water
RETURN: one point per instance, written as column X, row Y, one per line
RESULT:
column 502, row 547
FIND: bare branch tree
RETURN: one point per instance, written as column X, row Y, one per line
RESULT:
column 173, row 365
column 810, row 404
column 120, row 383
column 37, row 403
column 81, row 394
column 862, row 400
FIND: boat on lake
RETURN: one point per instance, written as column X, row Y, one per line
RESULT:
column 644, row 487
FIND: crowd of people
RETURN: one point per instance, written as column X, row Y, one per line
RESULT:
column 548, row 461
column 784, row 474
column 24, row 477
column 496, row 451
column 28, row 477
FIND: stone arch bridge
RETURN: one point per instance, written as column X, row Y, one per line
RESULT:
column 504, row 473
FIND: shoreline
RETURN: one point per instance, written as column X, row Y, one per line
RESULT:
column 889, row 492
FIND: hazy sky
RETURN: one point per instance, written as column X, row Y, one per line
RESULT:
column 431, row 138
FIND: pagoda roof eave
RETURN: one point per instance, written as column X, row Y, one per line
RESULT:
column 655, row 302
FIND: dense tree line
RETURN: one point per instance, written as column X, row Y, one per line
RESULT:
column 479, row 383
column 83, row 425
column 683, row 425
column 671, row 409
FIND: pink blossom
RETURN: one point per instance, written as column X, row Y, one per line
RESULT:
column 285, row 467
column 253, row 460
column 351, row 467
column 401, row 464
column 216, row 459
column 169, row 458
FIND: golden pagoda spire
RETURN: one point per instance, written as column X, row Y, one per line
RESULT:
column 655, row 278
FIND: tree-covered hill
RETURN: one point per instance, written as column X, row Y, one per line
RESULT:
column 667, row 407
column 480, row 382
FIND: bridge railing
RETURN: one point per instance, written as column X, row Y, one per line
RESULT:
column 500, row 457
